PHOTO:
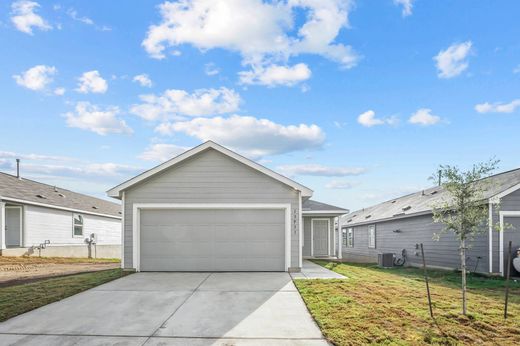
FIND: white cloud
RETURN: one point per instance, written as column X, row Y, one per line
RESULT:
column 211, row 69
column 249, row 135
column 498, row 107
column 453, row 61
column 516, row 69
column 407, row 6
column 63, row 166
column 320, row 170
column 162, row 152
column 59, row 91
column 368, row 119
column 276, row 75
column 101, row 121
column 74, row 15
column 143, row 79
column 173, row 104
column 259, row 31
column 424, row 116
column 36, row 78
column 92, row 82
column 339, row 185
column 24, row 17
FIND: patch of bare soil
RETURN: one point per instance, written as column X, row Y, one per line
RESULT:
column 16, row 272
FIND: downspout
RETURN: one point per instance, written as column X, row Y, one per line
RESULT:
column 490, row 235
column 123, row 231
column 300, row 228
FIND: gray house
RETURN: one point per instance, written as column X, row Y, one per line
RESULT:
column 402, row 223
column 37, row 218
column 211, row 209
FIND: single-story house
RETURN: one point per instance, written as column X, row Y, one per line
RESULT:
column 40, row 219
column 403, row 223
column 211, row 209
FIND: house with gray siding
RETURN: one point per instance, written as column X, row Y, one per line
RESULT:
column 211, row 209
column 40, row 219
column 405, row 222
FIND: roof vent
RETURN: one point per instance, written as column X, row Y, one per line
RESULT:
column 368, row 216
column 41, row 196
column 393, row 201
column 408, row 207
column 422, row 193
column 349, row 220
column 120, row 213
column 55, row 189
column 61, row 195
column 94, row 207
column 434, row 192
column 399, row 214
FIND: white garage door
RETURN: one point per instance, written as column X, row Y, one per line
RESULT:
column 212, row 240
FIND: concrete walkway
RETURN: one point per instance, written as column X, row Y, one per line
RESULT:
column 315, row 271
column 201, row 309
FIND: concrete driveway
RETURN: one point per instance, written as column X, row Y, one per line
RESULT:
column 173, row 309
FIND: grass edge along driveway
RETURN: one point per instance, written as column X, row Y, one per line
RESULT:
column 17, row 299
column 389, row 307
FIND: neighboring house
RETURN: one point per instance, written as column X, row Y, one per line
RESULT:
column 210, row 209
column 405, row 222
column 32, row 214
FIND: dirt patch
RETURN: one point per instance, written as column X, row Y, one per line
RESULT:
column 20, row 270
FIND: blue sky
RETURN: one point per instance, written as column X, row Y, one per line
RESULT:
column 359, row 100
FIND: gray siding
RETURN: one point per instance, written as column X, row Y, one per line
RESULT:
column 414, row 230
column 307, row 234
column 210, row 177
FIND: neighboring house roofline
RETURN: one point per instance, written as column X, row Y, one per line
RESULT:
column 51, row 206
column 315, row 212
column 376, row 221
column 116, row 191
column 423, row 202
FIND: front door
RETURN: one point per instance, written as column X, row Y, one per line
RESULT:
column 513, row 235
column 320, row 237
column 13, row 226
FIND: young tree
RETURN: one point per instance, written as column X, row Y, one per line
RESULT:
column 464, row 211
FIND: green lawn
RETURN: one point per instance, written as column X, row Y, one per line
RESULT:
column 389, row 306
column 15, row 300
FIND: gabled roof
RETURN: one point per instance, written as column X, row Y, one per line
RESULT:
column 422, row 202
column 116, row 191
column 25, row 191
column 314, row 207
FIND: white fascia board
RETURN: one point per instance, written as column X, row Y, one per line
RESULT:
column 51, row 206
column 496, row 198
column 116, row 191
column 321, row 212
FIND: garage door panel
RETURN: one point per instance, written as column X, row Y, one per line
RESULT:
column 212, row 240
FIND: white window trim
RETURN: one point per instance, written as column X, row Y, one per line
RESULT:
column 19, row 207
column 300, row 228
column 368, row 231
column 137, row 207
column 74, row 225
column 504, row 214
column 312, row 235
column 350, row 230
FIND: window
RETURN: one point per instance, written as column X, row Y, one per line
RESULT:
column 350, row 237
column 77, row 226
column 372, row 236
column 344, row 236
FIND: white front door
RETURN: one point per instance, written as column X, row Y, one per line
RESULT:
column 320, row 237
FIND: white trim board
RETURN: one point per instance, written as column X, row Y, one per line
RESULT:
column 137, row 207
column 312, row 234
column 504, row 214
column 116, row 191
column 51, row 206
column 496, row 198
column 490, row 236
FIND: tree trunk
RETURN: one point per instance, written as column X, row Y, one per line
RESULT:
column 463, row 269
